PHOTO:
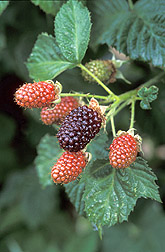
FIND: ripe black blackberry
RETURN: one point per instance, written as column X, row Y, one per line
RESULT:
column 78, row 128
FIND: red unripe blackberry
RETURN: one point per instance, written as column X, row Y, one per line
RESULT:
column 123, row 151
column 78, row 128
column 68, row 167
column 56, row 115
column 37, row 95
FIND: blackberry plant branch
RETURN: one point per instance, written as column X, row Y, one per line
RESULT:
column 113, row 126
column 116, row 103
column 130, row 3
column 113, row 96
column 114, row 112
column 132, row 114
column 133, row 93
column 84, row 95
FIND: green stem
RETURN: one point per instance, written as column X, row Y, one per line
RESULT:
column 115, row 97
column 84, row 95
column 130, row 4
column 112, row 109
column 153, row 80
column 132, row 114
column 128, row 95
column 113, row 126
column 123, row 105
column 134, row 92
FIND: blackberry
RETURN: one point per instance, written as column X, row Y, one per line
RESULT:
column 78, row 128
column 123, row 150
column 68, row 167
column 37, row 95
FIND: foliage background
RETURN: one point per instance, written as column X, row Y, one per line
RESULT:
column 33, row 219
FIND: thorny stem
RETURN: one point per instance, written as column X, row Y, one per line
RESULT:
column 130, row 4
column 114, row 97
column 132, row 114
column 84, row 95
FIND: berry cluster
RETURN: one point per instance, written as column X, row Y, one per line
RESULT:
column 80, row 124
column 78, row 128
column 123, row 151
column 60, row 111
column 37, row 94
column 68, row 167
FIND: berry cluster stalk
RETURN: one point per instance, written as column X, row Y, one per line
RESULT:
column 116, row 102
column 113, row 96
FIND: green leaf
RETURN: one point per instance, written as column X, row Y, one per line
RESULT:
column 35, row 203
column 48, row 152
column 146, row 234
column 145, row 104
column 148, row 95
column 110, row 195
column 138, row 33
column 46, row 60
column 72, row 30
column 94, row 147
column 3, row 5
column 50, row 7
column 75, row 192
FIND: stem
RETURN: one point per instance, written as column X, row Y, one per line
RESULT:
column 99, row 82
column 113, row 126
column 112, row 109
column 132, row 114
column 123, row 105
column 128, row 95
column 130, row 3
column 152, row 81
column 84, row 95
column 133, row 93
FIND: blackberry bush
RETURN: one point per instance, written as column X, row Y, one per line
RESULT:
column 112, row 181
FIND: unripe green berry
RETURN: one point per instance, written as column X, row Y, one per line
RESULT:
column 104, row 70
